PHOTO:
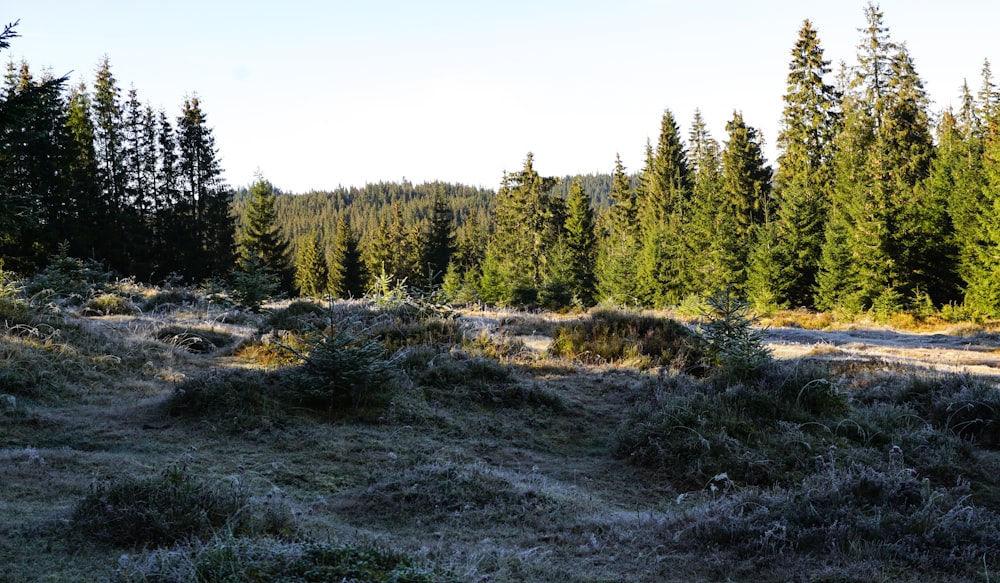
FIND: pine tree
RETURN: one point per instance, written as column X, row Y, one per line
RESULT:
column 662, row 216
column 205, row 229
column 620, row 236
column 885, row 232
column 348, row 277
column 311, row 272
column 261, row 237
column 787, row 258
column 581, row 244
column 527, row 221
column 440, row 240
column 703, row 257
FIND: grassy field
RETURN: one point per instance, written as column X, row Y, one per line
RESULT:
column 154, row 435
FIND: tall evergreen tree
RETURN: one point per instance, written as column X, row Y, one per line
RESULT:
column 745, row 203
column 261, row 238
column 662, row 215
column 348, row 276
column 311, row 271
column 34, row 151
column 884, row 233
column 440, row 240
column 527, row 221
column 581, row 243
column 704, row 161
column 787, row 260
column 205, row 230
column 619, row 240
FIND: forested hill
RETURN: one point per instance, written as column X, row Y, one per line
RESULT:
column 364, row 207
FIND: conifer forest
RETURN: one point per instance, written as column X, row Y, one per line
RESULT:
column 703, row 365
column 875, row 202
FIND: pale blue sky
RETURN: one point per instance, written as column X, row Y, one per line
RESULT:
column 319, row 94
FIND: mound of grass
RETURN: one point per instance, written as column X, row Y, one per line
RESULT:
column 965, row 406
column 299, row 316
column 607, row 335
column 197, row 340
column 459, row 378
column 173, row 506
column 444, row 491
column 108, row 305
column 169, row 300
column 762, row 432
column 234, row 399
column 852, row 515
column 229, row 559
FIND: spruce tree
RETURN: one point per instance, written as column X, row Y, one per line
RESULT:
column 440, row 240
column 662, row 215
column 884, row 238
column 699, row 235
column 311, row 272
column 348, row 276
column 527, row 220
column 620, row 237
column 581, row 244
column 745, row 203
column 205, row 229
column 261, row 238
column 786, row 260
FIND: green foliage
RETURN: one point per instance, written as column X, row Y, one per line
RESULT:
column 251, row 284
column 345, row 368
column 734, row 344
column 609, row 335
column 69, row 279
column 312, row 276
column 135, row 512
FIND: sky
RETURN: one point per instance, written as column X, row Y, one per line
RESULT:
column 320, row 94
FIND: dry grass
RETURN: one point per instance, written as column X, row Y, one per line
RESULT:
column 491, row 462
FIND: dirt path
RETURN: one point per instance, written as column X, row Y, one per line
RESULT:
column 979, row 355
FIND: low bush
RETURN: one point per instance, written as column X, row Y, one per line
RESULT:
column 173, row 506
column 609, row 335
column 344, row 368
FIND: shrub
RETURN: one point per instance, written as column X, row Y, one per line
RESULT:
column 172, row 506
column 343, row 368
column 734, row 344
column 608, row 335
column 69, row 279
